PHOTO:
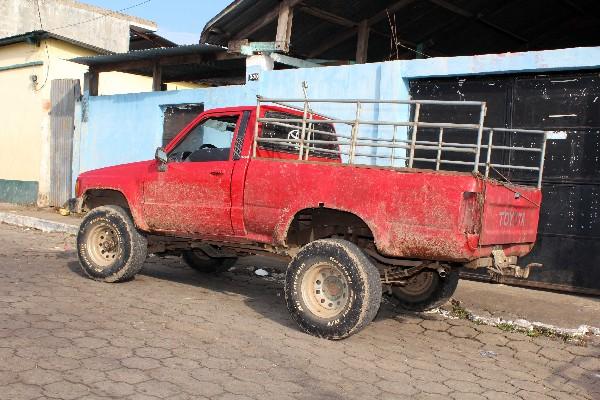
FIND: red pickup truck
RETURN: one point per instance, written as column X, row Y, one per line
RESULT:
column 285, row 181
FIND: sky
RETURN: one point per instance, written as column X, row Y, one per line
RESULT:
column 180, row 21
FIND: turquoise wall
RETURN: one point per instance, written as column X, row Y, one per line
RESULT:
column 18, row 192
column 126, row 128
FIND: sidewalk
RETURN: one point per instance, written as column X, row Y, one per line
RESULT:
column 513, row 303
column 482, row 299
column 43, row 219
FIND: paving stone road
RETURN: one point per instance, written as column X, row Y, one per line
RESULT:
column 172, row 333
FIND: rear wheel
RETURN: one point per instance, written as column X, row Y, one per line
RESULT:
column 332, row 290
column 205, row 264
column 426, row 290
column 109, row 246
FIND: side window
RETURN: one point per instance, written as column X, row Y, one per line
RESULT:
column 272, row 131
column 210, row 140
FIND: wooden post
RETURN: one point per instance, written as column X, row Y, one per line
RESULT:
column 420, row 50
column 157, row 85
column 91, row 82
column 362, row 45
column 284, row 26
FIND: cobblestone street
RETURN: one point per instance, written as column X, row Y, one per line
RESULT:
column 173, row 333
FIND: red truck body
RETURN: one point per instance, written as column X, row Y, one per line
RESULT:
column 412, row 213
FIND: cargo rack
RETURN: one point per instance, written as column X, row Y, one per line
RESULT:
column 354, row 144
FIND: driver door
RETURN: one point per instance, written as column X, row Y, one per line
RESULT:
column 193, row 195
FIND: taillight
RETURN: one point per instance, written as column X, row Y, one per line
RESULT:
column 471, row 212
column 77, row 187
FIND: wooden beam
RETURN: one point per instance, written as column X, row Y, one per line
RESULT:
column 582, row 10
column 558, row 24
column 392, row 9
column 335, row 19
column 256, row 25
column 284, row 25
column 420, row 51
column 91, row 82
column 467, row 14
column 157, row 83
column 345, row 35
column 451, row 7
column 332, row 42
column 261, row 22
column 362, row 44
column 327, row 16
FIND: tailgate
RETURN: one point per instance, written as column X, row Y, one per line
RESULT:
column 510, row 215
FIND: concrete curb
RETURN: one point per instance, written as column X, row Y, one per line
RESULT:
column 37, row 223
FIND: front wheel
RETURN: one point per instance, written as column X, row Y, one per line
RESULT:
column 426, row 290
column 332, row 290
column 109, row 246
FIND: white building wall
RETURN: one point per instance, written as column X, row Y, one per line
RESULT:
column 71, row 19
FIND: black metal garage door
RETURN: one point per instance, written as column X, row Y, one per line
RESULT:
column 569, row 233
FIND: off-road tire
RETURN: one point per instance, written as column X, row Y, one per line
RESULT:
column 353, row 274
column 436, row 294
column 131, row 245
column 207, row 265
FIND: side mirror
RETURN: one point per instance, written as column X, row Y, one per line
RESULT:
column 162, row 159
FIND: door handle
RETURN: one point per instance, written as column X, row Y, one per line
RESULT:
column 217, row 173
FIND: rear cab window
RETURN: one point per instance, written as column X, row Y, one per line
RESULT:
column 290, row 149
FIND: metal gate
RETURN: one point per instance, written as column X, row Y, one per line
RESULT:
column 569, row 232
column 63, row 95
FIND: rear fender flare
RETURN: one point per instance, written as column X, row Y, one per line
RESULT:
column 282, row 230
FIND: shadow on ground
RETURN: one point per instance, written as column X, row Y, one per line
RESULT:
column 263, row 295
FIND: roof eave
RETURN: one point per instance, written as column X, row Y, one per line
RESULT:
column 147, row 54
column 34, row 37
column 204, row 36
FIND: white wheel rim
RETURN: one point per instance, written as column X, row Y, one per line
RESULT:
column 103, row 245
column 325, row 290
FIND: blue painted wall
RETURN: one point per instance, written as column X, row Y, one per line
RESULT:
column 126, row 128
column 505, row 63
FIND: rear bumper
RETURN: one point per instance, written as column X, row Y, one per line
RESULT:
column 510, row 250
column 500, row 264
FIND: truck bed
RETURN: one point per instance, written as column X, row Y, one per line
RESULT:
column 412, row 213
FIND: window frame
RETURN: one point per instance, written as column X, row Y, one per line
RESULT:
column 201, row 119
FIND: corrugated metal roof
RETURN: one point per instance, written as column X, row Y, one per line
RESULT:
column 149, row 54
column 195, row 69
column 142, row 39
column 37, row 36
column 444, row 27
